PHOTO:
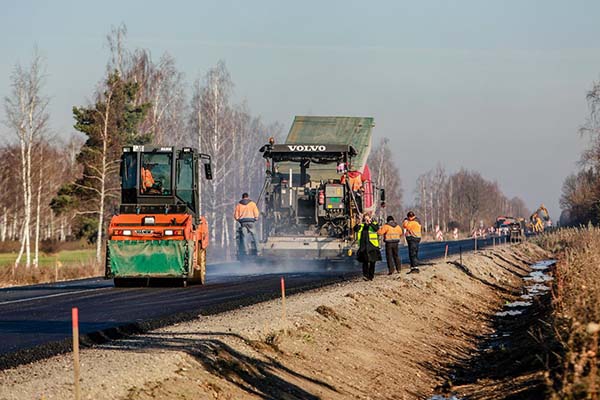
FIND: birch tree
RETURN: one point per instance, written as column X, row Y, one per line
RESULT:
column 386, row 175
column 213, row 97
column 160, row 84
column 580, row 198
column 27, row 117
column 109, row 124
column 232, row 136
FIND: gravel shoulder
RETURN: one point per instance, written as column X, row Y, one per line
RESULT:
column 394, row 338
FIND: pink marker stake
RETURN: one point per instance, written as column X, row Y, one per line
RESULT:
column 283, row 310
column 75, row 318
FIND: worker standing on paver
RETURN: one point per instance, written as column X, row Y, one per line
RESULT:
column 368, row 241
column 392, row 233
column 412, row 231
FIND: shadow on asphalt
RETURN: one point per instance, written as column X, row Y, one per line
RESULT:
column 258, row 376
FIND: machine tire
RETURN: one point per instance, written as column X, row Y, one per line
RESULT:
column 202, row 265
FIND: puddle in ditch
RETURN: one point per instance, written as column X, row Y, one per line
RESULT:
column 535, row 286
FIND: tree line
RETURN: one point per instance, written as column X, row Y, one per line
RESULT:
column 464, row 200
column 580, row 199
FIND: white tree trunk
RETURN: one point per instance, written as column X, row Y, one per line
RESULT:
column 200, row 166
column 450, row 215
column 61, row 230
column 424, row 203
column 226, row 230
column 103, row 176
column 4, row 225
column 25, row 229
column 215, row 144
column 13, row 230
column 38, row 211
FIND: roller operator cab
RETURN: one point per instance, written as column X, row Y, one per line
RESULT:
column 157, row 232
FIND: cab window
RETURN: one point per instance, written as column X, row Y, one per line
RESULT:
column 185, row 180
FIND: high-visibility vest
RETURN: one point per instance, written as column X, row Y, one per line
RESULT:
column 246, row 211
column 373, row 237
column 412, row 227
column 390, row 233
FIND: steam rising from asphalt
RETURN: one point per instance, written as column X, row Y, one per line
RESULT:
column 283, row 266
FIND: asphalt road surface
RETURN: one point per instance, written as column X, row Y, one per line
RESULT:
column 35, row 320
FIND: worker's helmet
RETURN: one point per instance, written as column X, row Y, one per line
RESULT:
column 389, row 218
column 245, row 195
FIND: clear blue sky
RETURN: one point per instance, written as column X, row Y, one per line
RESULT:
column 498, row 87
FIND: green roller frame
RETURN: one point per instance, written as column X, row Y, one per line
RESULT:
column 150, row 258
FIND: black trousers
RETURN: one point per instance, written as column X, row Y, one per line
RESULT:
column 413, row 250
column 391, row 254
column 369, row 269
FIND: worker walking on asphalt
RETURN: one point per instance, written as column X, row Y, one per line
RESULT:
column 412, row 231
column 246, row 213
column 368, row 241
column 392, row 233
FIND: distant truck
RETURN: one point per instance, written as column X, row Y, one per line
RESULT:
column 512, row 227
column 317, row 187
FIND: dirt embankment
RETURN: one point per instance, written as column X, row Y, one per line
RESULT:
column 398, row 337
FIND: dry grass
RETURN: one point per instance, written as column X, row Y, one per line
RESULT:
column 576, row 303
column 73, row 261
column 10, row 276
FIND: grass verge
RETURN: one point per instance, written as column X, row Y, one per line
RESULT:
column 576, row 312
column 67, row 264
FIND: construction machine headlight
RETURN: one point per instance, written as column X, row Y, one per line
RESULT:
column 168, row 232
column 148, row 221
column 126, row 232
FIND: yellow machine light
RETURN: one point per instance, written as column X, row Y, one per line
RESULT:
column 349, row 252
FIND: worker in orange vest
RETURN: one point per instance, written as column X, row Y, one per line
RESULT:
column 246, row 213
column 392, row 233
column 355, row 183
column 412, row 231
column 147, row 178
